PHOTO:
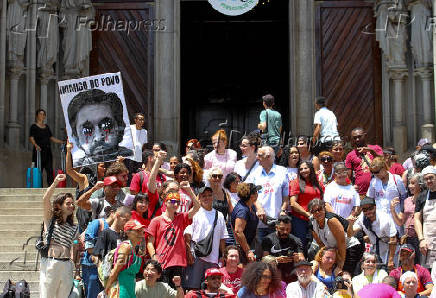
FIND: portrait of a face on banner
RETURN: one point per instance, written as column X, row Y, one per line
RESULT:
column 96, row 118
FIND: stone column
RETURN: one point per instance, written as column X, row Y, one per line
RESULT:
column 398, row 76
column 167, row 76
column 3, row 6
column 13, row 126
column 426, row 76
column 302, row 68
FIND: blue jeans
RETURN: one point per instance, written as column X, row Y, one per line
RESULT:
column 91, row 281
column 300, row 229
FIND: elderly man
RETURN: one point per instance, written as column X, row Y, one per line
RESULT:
column 380, row 229
column 307, row 285
column 425, row 218
column 407, row 257
column 273, row 198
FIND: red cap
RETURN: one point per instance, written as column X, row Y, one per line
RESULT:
column 133, row 225
column 212, row 272
column 111, row 180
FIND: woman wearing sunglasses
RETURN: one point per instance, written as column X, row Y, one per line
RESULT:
column 301, row 191
column 328, row 231
column 384, row 187
column 325, row 174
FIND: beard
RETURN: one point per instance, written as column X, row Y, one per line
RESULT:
column 303, row 279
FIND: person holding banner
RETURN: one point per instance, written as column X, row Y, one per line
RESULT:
column 40, row 137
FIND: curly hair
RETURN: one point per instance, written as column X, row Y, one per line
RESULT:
column 322, row 251
column 198, row 171
column 253, row 274
column 313, row 179
column 181, row 166
column 57, row 208
column 243, row 190
column 96, row 97
column 284, row 159
column 116, row 168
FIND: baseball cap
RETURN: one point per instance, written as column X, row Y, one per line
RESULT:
column 212, row 272
column 428, row 170
column 133, row 224
column 367, row 201
column 303, row 263
column 111, row 180
column 407, row 247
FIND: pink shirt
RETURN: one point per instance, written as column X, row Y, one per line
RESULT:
column 226, row 162
column 409, row 211
column 357, row 164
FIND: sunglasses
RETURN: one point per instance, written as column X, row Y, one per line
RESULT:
column 367, row 209
column 217, row 176
column 174, row 202
column 326, row 159
column 316, row 210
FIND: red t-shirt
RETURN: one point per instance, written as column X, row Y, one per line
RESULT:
column 357, row 164
column 153, row 199
column 232, row 281
column 424, row 277
column 168, row 239
column 397, row 168
column 136, row 179
column 303, row 199
column 202, row 294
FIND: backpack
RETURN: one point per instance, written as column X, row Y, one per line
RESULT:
column 19, row 290
column 105, row 267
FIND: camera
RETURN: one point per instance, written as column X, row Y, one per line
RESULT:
column 340, row 283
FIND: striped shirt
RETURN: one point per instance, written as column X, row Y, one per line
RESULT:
column 63, row 234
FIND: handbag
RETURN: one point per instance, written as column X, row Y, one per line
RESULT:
column 203, row 247
column 40, row 245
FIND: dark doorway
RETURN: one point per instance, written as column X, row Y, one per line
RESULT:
column 228, row 63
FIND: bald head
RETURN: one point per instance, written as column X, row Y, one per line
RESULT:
column 265, row 156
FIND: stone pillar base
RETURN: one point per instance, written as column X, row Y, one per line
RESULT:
column 400, row 138
column 13, row 135
column 427, row 131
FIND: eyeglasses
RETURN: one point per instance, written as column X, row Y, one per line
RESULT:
column 368, row 208
column 217, row 176
column 316, row 210
column 174, row 202
column 264, row 276
column 326, row 159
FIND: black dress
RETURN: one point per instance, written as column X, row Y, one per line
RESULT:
column 42, row 139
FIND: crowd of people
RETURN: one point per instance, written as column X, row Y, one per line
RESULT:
column 304, row 220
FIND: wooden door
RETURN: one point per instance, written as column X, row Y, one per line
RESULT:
column 349, row 65
column 129, row 49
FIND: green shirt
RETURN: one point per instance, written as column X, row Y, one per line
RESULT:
column 274, row 125
column 160, row 290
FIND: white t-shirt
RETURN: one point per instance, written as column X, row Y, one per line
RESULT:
column 341, row 198
column 139, row 138
column 292, row 173
column 384, row 227
column 383, row 195
column 202, row 223
column 315, row 289
column 241, row 170
column 233, row 197
column 185, row 201
column 329, row 124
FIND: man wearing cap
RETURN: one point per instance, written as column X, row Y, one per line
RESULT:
column 213, row 280
column 379, row 227
column 307, row 285
column 407, row 258
column 359, row 159
column 273, row 199
column 111, row 187
column 425, row 218
column 200, row 229
column 325, row 125
column 165, row 243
